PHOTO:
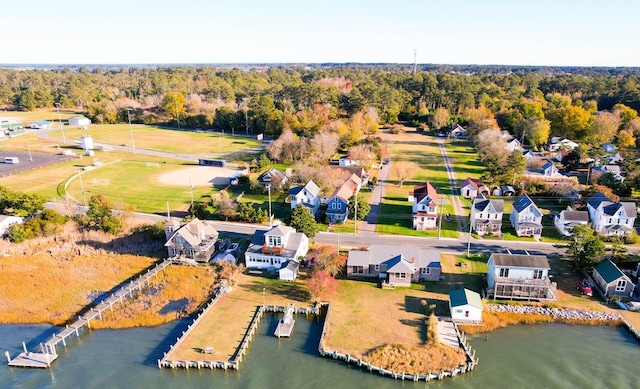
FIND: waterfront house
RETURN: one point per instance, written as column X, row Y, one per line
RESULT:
column 465, row 306
column 567, row 219
column 195, row 240
column 307, row 195
column 611, row 280
column 272, row 248
column 289, row 271
column 486, row 216
column 6, row 221
column 338, row 204
column 519, row 277
column 273, row 177
column 425, row 207
column 609, row 217
column 394, row 265
column 469, row 188
column 526, row 218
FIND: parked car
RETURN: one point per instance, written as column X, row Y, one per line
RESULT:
column 233, row 247
column 585, row 288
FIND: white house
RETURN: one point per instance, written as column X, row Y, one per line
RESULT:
column 567, row 219
column 559, row 143
column 40, row 125
column 274, row 247
column 425, row 207
column 79, row 121
column 611, row 280
column 609, row 217
column 457, row 132
column 273, row 177
column 469, row 188
column 486, row 216
column 526, row 218
column 350, row 160
column 549, row 169
column 307, row 195
column 395, row 265
column 6, row 222
column 597, row 171
column 513, row 145
column 519, row 276
column 465, row 306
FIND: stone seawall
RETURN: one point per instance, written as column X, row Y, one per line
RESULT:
column 556, row 313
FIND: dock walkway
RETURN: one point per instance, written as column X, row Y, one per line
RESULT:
column 48, row 352
column 285, row 325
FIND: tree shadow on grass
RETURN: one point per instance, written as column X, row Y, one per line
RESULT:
column 419, row 324
column 271, row 287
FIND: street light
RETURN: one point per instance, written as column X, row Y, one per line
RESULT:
column 133, row 145
column 64, row 140
column 84, row 199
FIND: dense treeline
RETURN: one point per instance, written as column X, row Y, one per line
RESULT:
column 307, row 100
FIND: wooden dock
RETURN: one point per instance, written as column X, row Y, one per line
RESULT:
column 285, row 325
column 48, row 352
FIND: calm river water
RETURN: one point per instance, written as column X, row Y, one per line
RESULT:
column 539, row 356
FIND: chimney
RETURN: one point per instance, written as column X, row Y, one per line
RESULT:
column 413, row 260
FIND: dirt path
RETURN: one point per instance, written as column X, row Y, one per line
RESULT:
column 453, row 182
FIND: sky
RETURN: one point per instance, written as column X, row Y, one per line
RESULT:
column 506, row 32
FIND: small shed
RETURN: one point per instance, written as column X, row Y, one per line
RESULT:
column 40, row 125
column 465, row 306
column 79, row 121
column 289, row 271
column 611, row 280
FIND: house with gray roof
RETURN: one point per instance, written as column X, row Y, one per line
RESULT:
column 486, row 216
column 611, row 280
column 519, row 277
column 609, row 217
column 566, row 220
column 526, row 218
column 307, row 195
column 465, row 306
column 273, row 177
column 395, row 265
column 193, row 241
column 272, row 248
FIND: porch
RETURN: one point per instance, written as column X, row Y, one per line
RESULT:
column 523, row 289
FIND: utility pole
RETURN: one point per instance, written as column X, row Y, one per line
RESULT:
column 64, row 140
column 168, row 212
column 133, row 145
column 270, row 219
column 415, row 61
column 469, row 239
column 440, row 222
column 355, row 217
column 84, row 199
column 191, row 185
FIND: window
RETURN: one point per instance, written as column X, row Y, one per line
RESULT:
column 610, row 220
column 537, row 274
column 293, row 198
column 358, row 270
column 403, row 275
column 466, row 313
column 480, row 216
column 376, row 267
column 621, row 285
column 334, row 205
column 504, row 272
column 426, row 270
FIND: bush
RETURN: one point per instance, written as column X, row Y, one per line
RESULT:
column 244, row 179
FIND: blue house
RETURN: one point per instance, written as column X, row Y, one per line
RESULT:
column 337, row 210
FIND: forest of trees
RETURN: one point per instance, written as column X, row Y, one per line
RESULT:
column 590, row 105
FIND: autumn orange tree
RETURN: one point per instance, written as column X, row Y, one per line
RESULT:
column 321, row 285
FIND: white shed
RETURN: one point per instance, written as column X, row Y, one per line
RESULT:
column 289, row 271
column 79, row 121
column 465, row 306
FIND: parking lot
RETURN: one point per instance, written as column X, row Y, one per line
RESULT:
column 28, row 161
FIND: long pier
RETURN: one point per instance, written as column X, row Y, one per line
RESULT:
column 48, row 352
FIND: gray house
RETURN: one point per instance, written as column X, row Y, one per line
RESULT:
column 395, row 265
column 611, row 280
column 192, row 241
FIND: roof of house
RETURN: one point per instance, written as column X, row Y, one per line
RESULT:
column 194, row 233
column 400, row 264
column 578, row 216
column 270, row 174
column 347, row 189
column 347, row 171
column 481, row 203
column 422, row 191
column 290, row 246
column 521, row 260
column 507, row 188
column 292, row 265
column 608, row 271
column 629, row 208
column 522, row 203
column 467, row 182
column 465, row 296
column 380, row 253
column 280, row 230
column 310, row 187
column 597, row 199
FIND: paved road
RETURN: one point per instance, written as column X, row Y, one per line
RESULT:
column 368, row 225
column 453, row 183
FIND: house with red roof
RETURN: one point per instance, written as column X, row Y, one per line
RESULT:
column 425, row 207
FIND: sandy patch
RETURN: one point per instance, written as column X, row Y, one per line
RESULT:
column 198, row 176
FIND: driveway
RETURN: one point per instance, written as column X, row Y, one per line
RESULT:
column 368, row 225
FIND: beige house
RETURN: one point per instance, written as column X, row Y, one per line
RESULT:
column 194, row 240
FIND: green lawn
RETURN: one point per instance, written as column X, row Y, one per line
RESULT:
column 161, row 139
column 34, row 116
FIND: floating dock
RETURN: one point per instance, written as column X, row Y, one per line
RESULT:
column 285, row 325
column 29, row 359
